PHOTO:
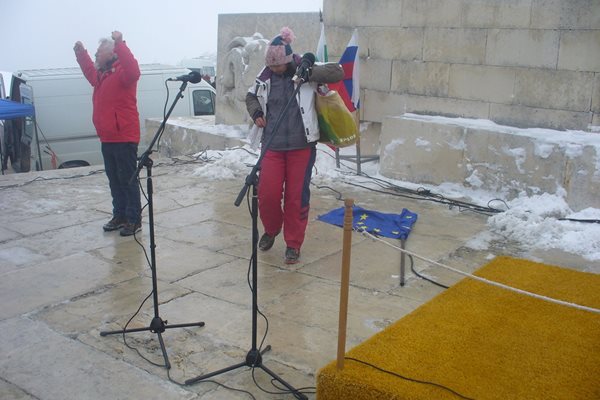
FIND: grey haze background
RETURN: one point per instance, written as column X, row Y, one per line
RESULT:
column 41, row 33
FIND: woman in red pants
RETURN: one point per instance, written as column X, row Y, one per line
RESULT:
column 286, row 167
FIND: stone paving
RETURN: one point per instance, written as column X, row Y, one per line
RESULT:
column 64, row 281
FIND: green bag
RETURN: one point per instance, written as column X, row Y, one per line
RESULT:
column 336, row 123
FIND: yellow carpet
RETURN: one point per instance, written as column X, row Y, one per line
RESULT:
column 484, row 342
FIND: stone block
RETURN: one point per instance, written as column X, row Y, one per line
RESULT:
column 370, row 133
column 565, row 14
column 596, row 94
column 423, row 78
column 582, row 178
column 376, row 74
column 447, row 106
column 362, row 13
column 450, row 107
column 487, row 156
column 418, row 151
column 394, row 43
column 580, row 50
column 496, row 14
column 185, row 136
column 431, row 13
column 522, row 47
column 512, row 164
column 531, row 117
column 453, row 45
column 562, row 90
column 595, row 126
column 485, row 83
column 377, row 105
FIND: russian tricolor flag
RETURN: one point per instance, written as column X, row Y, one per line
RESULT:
column 349, row 88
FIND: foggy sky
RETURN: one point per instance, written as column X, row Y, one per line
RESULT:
column 41, row 33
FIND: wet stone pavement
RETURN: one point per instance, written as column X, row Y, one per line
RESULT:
column 64, row 281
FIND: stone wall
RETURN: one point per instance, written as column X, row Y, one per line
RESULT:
column 525, row 63
column 518, row 63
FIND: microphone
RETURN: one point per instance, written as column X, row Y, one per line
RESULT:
column 304, row 69
column 192, row 77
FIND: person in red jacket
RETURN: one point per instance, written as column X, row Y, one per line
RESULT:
column 114, row 77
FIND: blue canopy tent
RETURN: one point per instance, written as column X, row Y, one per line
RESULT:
column 11, row 109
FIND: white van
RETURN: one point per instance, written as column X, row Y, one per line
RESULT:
column 63, row 135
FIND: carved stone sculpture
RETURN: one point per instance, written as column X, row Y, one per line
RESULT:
column 244, row 59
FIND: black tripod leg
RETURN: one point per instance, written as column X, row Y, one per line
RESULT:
column 164, row 350
column 106, row 333
column 214, row 373
column 151, row 328
column 184, row 325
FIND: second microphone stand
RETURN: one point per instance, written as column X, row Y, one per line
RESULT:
column 158, row 325
column 254, row 356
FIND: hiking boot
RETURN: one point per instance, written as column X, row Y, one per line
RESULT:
column 291, row 255
column 266, row 241
column 114, row 224
column 130, row 229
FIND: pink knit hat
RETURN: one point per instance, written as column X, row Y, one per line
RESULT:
column 279, row 51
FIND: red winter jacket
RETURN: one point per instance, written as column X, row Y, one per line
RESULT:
column 115, row 115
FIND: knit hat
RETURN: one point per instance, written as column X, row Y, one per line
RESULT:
column 279, row 51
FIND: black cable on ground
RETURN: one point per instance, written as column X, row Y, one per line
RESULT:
column 590, row 221
column 412, row 268
column 183, row 385
column 43, row 179
column 419, row 194
column 407, row 378
column 427, row 195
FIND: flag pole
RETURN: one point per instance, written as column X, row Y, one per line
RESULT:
column 345, row 282
column 358, row 159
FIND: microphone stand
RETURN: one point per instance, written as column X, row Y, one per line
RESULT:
column 157, row 325
column 254, row 355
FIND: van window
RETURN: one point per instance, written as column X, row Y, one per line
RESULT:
column 204, row 101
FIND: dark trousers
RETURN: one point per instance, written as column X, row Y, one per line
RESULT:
column 120, row 164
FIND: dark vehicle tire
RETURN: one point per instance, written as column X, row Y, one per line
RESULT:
column 74, row 164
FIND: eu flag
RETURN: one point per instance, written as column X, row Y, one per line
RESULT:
column 396, row 226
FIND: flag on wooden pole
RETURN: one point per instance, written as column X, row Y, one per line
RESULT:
column 321, row 52
column 349, row 87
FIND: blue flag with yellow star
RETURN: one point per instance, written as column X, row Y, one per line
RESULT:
column 396, row 226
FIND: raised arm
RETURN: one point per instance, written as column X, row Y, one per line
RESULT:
column 130, row 65
column 85, row 63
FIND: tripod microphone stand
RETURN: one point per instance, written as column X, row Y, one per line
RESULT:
column 158, row 325
column 254, row 355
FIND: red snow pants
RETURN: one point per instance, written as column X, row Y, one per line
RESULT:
column 285, row 175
